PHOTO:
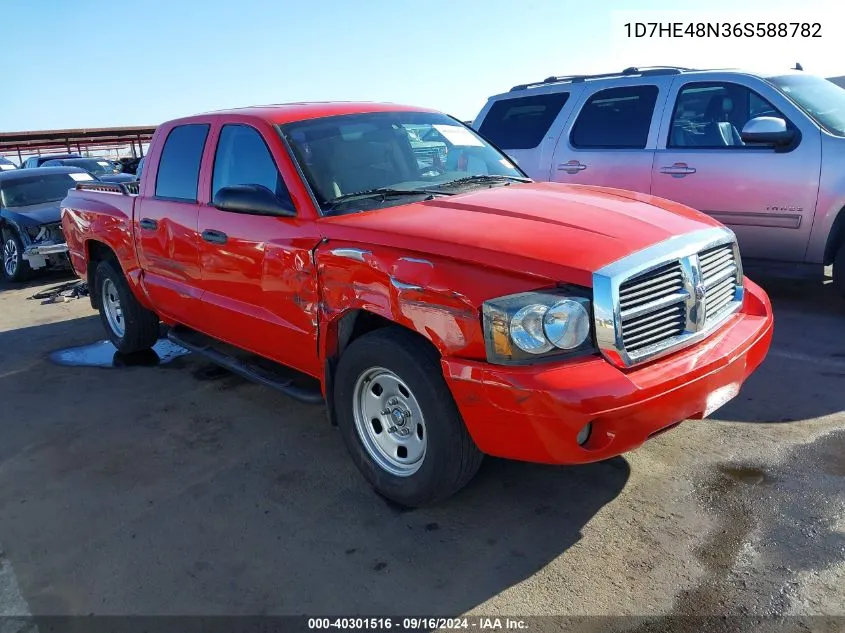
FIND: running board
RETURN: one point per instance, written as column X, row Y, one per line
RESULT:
column 200, row 344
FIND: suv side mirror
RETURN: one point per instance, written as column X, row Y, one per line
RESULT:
column 251, row 200
column 767, row 130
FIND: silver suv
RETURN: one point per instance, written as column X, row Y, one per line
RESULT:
column 764, row 154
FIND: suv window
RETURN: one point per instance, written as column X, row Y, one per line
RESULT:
column 522, row 122
column 243, row 158
column 179, row 165
column 711, row 115
column 615, row 118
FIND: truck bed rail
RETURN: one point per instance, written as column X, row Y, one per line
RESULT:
column 122, row 188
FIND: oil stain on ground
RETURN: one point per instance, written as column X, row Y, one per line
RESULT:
column 771, row 522
column 104, row 354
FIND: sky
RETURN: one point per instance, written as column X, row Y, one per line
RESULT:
column 85, row 63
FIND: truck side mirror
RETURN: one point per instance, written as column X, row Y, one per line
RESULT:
column 252, row 200
column 767, row 130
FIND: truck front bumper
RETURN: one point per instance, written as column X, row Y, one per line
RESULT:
column 535, row 413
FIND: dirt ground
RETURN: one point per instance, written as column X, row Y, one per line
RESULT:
column 177, row 489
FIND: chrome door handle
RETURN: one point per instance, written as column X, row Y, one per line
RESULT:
column 678, row 170
column 572, row 167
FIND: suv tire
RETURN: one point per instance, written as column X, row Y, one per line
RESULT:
column 15, row 267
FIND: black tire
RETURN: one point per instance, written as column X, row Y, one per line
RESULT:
column 12, row 243
column 839, row 271
column 140, row 326
column 451, row 458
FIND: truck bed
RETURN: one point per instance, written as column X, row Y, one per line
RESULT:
column 100, row 212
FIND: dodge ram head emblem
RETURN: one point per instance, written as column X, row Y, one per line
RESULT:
column 700, row 291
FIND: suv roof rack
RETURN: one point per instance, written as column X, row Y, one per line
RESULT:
column 642, row 71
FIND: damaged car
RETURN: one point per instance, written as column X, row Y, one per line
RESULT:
column 30, row 218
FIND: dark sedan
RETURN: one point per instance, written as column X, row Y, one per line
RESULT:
column 100, row 168
column 30, row 218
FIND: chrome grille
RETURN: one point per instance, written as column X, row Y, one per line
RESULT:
column 719, row 276
column 667, row 296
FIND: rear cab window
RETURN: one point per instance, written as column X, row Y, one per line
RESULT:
column 615, row 118
column 522, row 122
column 179, row 165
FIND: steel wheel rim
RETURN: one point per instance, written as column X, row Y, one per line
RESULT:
column 112, row 309
column 389, row 422
column 10, row 257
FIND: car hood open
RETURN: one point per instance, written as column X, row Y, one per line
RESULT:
column 536, row 228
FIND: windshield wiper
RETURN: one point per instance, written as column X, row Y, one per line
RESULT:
column 485, row 178
column 384, row 193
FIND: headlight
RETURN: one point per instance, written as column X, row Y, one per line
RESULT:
column 533, row 326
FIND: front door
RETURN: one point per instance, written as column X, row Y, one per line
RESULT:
column 258, row 276
column 767, row 196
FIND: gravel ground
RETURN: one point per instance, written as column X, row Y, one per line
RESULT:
column 177, row 489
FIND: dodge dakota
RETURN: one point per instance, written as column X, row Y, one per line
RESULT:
column 440, row 313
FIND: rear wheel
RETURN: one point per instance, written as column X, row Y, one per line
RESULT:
column 129, row 325
column 399, row 421
column 15, row 267
column 839, row 270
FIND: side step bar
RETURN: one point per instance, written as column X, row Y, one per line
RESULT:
column 199, row 344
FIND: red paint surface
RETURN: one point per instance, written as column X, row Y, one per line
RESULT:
column 279, row 288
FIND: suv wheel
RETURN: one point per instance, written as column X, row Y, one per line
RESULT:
column 130, row 326
column 399, row 421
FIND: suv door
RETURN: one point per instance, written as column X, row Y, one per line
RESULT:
column 611, row 141
column 526, row 125
column 258, row 276
column 767, row 196
column 166, row 225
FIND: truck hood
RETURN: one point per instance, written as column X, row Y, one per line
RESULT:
column 551, row 230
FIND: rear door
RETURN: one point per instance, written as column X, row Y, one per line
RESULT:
column 166, row 224
column 611, row 140
column 767, row 196
column 526, row 125
column 258, row 277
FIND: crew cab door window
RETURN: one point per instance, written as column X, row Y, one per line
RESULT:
column 179, row 165
column 243, row 158
column 766, row 195
column 607, row 142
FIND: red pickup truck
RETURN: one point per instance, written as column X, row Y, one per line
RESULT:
column 442, row 309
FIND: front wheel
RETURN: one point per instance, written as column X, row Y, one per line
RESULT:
column 130, row 326
column 399, row 421
column 839, row 270
column 15, row 267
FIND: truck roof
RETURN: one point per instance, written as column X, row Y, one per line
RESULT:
column 300, row 111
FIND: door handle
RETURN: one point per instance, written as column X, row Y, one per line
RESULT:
column 148, row 225
column 678, row 170
column 214, row 237
column 572, row 167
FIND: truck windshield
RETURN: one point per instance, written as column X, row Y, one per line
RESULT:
column 823, row 100
column 350, row 161
column 37, row 189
